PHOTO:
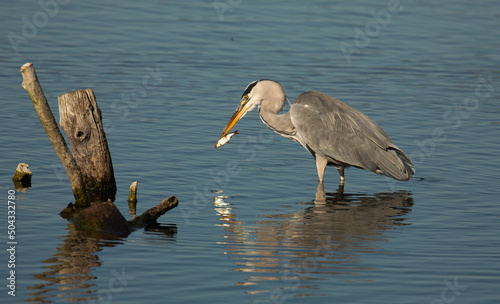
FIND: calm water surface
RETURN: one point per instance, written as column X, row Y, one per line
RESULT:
column 167, row 77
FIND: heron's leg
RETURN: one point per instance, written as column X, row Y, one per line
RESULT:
column 321, row 166
column 342, row 178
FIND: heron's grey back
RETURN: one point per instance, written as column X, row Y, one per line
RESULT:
column 344, row 136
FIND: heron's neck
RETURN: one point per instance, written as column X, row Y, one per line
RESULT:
column 281, row 124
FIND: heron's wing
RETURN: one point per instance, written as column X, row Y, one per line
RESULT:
column 344, row 136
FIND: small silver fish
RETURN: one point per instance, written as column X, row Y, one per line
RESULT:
column 224, row 140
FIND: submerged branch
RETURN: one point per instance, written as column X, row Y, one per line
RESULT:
column 149, row 216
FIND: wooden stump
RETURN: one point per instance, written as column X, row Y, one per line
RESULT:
column 89, row 167
column 22, row 176
column 80, row 118
column 132, row 195
column 132, row 199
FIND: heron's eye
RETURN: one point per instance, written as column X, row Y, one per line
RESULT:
column 244, row 99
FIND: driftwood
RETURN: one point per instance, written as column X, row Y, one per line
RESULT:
column 89, row 167
column 22, row 176
column 32, row 86
column 80, row 118
column 149, row 216
column 132, row 195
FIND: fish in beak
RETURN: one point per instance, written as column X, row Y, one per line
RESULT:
column 242, row 109
column 225, row 140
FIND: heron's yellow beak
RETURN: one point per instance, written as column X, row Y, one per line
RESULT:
column 242, row 109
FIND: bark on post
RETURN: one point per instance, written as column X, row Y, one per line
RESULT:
column 32, row 86
column 80, row 118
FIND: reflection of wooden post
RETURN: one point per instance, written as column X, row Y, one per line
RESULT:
column 80, row 118
column 32, row 86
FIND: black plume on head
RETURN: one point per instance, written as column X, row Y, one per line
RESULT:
column 249, row 87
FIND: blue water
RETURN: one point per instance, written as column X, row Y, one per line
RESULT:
column 167, row 77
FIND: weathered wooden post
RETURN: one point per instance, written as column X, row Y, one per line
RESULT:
column 81, row 120
column 32, row 86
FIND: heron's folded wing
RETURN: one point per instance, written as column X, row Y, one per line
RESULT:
column 346, row 136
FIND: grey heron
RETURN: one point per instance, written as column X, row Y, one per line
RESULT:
column 335, row 133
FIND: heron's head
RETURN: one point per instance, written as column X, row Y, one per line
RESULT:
column 256, row 92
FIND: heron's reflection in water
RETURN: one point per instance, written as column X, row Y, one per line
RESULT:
column 327, row 237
